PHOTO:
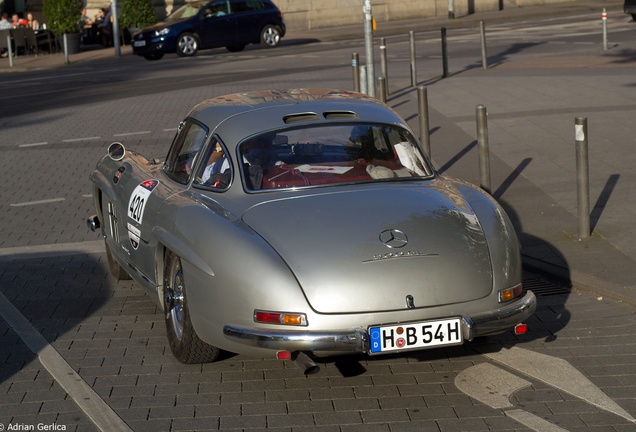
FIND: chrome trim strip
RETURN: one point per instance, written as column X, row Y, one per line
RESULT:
column 357, row 340
column 354, row 340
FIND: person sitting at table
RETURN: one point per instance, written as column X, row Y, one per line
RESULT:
column 99, row 18
column 18, row 22
column 88, row 30
column 106, row 29
column 4, row 25
column 4, row 22
column 32, row 23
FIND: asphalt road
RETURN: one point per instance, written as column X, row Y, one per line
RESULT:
column 575, row 370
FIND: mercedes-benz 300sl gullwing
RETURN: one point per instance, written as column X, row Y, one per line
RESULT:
column 307, row 223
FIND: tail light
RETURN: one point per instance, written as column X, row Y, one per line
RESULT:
column 510, row 293
column 296, row 319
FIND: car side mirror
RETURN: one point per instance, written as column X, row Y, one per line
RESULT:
column 116, row 151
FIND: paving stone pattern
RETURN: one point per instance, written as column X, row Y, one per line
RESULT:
column 113, row 335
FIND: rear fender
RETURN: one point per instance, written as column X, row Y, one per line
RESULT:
column 503, row 244
column 229, row 270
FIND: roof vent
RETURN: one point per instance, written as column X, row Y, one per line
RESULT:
column 303, row 117
column 335, row 115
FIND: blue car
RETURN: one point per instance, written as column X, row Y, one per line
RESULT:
column 212, row 24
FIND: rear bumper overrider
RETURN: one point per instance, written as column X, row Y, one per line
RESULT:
column 357, row 339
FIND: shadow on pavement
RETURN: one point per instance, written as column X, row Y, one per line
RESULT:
column 59, row 296
column 603, row 198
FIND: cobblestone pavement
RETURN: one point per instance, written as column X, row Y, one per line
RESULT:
column 112, row 335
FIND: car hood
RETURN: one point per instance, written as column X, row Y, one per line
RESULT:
column 333, row 244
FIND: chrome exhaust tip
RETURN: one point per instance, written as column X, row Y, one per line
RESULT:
column 306, row 364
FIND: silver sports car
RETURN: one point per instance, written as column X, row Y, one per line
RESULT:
column 296, row 222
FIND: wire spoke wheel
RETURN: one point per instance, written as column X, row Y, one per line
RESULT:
column 184, row 342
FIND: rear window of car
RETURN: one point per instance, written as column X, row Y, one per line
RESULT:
column 331, row 154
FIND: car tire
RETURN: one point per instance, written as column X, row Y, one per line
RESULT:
column 182, row 338
column 187, row 45
column 270, row 36
column 634, row 17
column 235, row 48
column 155, row 56
column 113, row 266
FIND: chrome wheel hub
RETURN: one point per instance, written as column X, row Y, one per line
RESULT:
column 174, row 304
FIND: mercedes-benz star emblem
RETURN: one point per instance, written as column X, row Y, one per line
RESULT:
column 393, row 238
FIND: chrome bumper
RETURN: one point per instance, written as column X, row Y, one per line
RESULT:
column 357, row 340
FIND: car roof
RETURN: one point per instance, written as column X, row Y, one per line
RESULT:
column 239, row 115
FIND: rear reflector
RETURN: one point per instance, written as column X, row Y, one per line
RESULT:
column 521, row 328
column 283, row 355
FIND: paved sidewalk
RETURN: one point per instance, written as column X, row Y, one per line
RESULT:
column 547, row 227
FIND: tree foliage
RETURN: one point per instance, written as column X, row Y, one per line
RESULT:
column 137, row 13
column 63, row 15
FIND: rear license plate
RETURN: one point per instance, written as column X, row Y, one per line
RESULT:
column 409, row 336
column 137, row 44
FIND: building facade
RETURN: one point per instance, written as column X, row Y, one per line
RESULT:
column 316, row 14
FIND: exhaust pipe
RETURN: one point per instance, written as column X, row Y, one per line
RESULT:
column 306, row 364
column 93, row 223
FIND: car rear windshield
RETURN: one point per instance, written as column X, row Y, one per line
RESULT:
column 332, row 154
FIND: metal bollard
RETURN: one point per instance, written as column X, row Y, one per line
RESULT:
column 382, row 89
column 355, row 67
column 582, row 176
column 413, row 67
column 604, row 30
column 482, row 33
column 65, row 50
column 384, row 64
column 425, row 137
column 368, row 47
column 482, row 144
column 444, row 53
column 10, row 50
column 363, row 80
column 115, row 18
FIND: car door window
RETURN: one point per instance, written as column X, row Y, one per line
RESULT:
column 217, row 9
column 184, row 150
column 242, row 6
column 216, row 169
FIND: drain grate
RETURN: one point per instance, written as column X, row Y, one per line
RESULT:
column 545, row 287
